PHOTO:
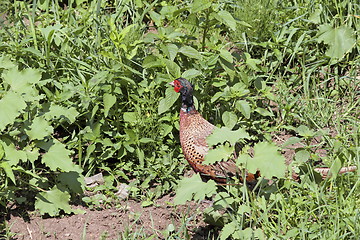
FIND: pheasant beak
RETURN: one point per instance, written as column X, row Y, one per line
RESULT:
column 172, row 83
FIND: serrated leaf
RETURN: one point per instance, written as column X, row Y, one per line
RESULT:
column 57, row 157
column 52, row 201
column 267, row 159
column 244, row 107
column 193, row 188
column 73, row 181
column 340, row 40
column 228, row 230
column 56, row 111
column 39, row 129
column 11, row 106
column 190, row 52
column 109, row 101
column 220, row 153
column 6, row 63
column 229, row 119
column 12, row 154
column 166, row 103
column 21, row 81
column 8, row 170
column 191, row 73
column 220, row 135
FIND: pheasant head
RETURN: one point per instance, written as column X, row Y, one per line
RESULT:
column 185, row 88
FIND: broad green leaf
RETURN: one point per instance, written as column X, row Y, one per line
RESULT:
column 220, row 153
column 171, row 50
column 199, row 5
column 267, row 159
column 73, row 181
column 244, row 107
column 166, row 103
column 56, row 111
column 151, row 61
column 224, row 134
column 226, row 18
column 11, row 106
column 130, row 117
column 229, row 119
column 335, row 168
column 302, row 156
column 6, row 63
column 21, row 81
column 39, row 129
column 264, row 112
column 304, row 131
column 12, row 154
column 340, row 40
column 57, row 157
column 172, row 68
column 190, row 52
column 226, row 55
column 291, row 141
column 191, row 73
column 228, row 230
column 194, row 188
column 109, row 101
column 9, row 172
column 52, row 201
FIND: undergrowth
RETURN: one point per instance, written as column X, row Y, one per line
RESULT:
column 84, row 90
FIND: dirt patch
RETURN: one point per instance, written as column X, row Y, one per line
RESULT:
column 111, row 223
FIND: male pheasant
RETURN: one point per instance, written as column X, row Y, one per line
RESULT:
column 194, row 130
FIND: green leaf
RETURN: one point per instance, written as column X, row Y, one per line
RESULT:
column 166, row 103
column 12, row 154
column 194, row 188
column 39, row 129
column 52, row 201
column 264, row 112
column 8, row 170
column 340, row 40
column 21, row 81
column 56, row 111
column 130, row 117
column 171, row 51
column 226, row 18
column 11, row 106
column 229, row 119
column 226, row 55
column 172, row 68
column 58, row 157
column 73, row 181
column 244, row 107
column 190, row 52
column 228, row 230
column 304, row 131
column 302, row 156
column 109, row 101
column 6, row 63
column 191, row 73
column 220, row 135
column 199, row 5
column 335, row 168
column 267, row 159
column 291, row 141
column 220, row 153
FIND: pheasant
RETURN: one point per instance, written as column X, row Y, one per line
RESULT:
column 194, row 130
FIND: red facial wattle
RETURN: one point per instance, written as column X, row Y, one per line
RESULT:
column 177, row 85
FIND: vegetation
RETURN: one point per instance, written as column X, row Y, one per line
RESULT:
column 84, row 90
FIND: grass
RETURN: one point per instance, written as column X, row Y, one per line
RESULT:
column 94, row 99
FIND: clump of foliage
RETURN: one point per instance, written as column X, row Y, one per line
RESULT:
column 83, row 90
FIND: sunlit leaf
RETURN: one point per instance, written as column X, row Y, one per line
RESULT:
column 229, row 119
column 109, row 101
column 244, row 107
column 52, row 201
column 224, row 134
column 220, row 153
column 11, row 106
column 39, row 129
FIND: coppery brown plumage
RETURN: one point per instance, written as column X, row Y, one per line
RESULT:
column 194, row 130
